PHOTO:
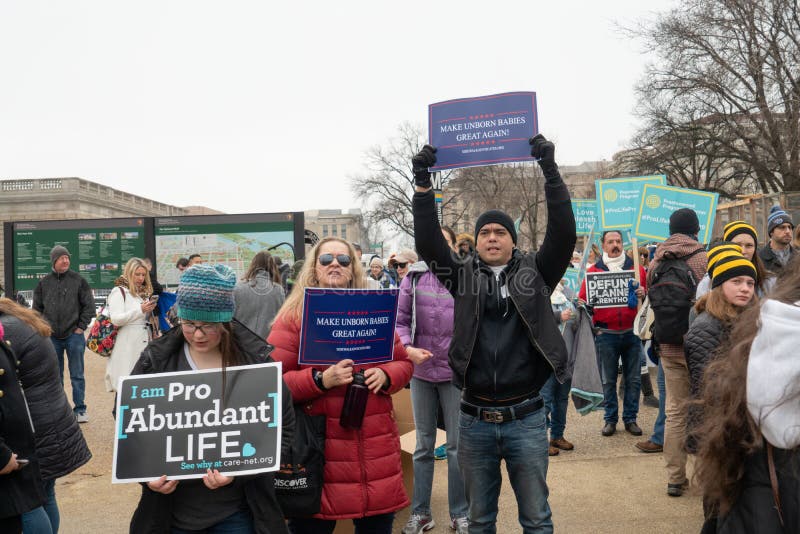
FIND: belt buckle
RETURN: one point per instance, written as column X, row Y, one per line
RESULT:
column 492, row 416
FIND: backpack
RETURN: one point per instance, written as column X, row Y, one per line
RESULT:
column 672, row 294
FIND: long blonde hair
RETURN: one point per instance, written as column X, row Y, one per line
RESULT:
column 130, row 269
column 293, row 307
column 28, row 316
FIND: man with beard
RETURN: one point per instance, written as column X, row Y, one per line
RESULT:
column 778, row 250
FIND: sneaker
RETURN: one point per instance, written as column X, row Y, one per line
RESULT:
column 649, row 446
column 460, row 525
column 417, row 524
column 82, row 417
column 676, row 490
column 440, row 453
column 562, row 444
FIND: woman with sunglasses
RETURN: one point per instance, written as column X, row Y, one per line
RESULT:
column 362, row 478
column 209, row 338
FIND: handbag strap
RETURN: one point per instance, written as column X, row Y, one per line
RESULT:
column 773, row 480
column 105, row 305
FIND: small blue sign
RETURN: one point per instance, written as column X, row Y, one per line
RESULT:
column 659, row 202
column 355, row 324
column 585, row 212
column 618, row 200
column 572, row 279
column 485, row 130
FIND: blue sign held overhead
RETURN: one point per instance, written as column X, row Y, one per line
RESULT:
column 355, row 324
column 485, row 130
column 659, row 201
column 618, row 200
column 585, row 212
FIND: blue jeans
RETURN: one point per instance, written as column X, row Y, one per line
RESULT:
column 44, row 519
column 374, row 524
column 425, row 400
column 556, row 398
column 610, row 348
column 658, row 427
column 75, row 345
column 522, row 443
column 239, row 523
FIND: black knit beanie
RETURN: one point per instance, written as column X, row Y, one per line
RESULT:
column 499, row 217
column 684, row 221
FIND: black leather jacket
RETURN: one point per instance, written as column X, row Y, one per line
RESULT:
column 529, row 279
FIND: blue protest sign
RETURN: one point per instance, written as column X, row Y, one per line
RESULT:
column 585, row 212
column 572, row 279
column 618, row 200
column 485, row 130
column 356, row 324
column 658, row 203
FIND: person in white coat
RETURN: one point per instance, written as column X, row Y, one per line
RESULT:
column 129, row 307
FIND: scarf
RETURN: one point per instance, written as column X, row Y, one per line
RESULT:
column 614, row 264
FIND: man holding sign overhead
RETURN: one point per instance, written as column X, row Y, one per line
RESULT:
column 613, row 317
column 505, row 344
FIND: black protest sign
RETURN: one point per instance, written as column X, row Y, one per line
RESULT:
column 608, row 289
column 179, row 425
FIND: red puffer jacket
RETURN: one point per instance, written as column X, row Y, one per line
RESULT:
column 362, row 474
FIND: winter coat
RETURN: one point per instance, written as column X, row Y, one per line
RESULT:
column 66, row 301
column 125, row 310
column 20, row 490
column 362, row 475
column 524, row 291
column 257, row 303
column 618, row 318
column 60, row 445
column 425, row 320
column 679, row 245
column 770, row 259
column 154, row 512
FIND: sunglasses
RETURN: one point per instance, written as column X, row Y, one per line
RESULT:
column 401, row 265
column 327, row 259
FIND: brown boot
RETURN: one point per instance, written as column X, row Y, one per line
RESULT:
column 649, row 446
column 552, row 451
column 562, row 444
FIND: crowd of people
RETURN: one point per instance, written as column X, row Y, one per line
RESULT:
column 480, row 341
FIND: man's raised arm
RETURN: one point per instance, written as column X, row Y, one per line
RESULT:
column 428, row 238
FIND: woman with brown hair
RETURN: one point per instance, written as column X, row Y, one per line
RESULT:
column 750, row 390
column 259, row 295
column 130, row 309
column 59, row 442
column 362, row 477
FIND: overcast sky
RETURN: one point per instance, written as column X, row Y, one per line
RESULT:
column 258, row 106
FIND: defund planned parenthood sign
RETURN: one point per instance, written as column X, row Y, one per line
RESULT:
column 484, row 130
column 608, row 289
column 178, row 424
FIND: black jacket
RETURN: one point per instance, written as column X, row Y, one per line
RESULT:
column 154, row 512
column 770, row 260
column 60, row 445
column 20, row 490
column 517, row 332
column 754, row 510
column 66, row 302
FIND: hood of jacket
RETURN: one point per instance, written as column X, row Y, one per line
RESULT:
column 418, row 267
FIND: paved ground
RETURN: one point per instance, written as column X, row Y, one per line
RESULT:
column 603, row 486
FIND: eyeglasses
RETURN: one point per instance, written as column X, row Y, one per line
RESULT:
column 327, row 259
column 205, row 329
column 402, row 265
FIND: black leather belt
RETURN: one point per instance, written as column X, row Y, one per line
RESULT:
column 501, row 414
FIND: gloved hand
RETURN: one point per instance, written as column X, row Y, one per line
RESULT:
column 545, row 151
column 425, row 158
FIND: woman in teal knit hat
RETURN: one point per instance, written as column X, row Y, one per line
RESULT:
column 209, row 338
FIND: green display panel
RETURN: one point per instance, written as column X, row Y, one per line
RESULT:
column 232, row 240
column 98, row 249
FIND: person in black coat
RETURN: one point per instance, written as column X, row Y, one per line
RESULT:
column 60, row 445
column 20, row 484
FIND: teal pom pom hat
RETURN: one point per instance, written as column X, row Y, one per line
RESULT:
column 205, row 293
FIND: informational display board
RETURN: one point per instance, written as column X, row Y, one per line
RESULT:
column 484, row 130
column 99, row 249
column 178, row 424
column 232, row 240
column 608, row 289
column 355, row 324
column 659, row 202
column 618, row 200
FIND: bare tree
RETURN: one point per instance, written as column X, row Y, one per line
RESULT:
column 723, row 97
column 387, row 187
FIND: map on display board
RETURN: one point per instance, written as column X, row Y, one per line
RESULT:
column 99, row 249
column 232, row 240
